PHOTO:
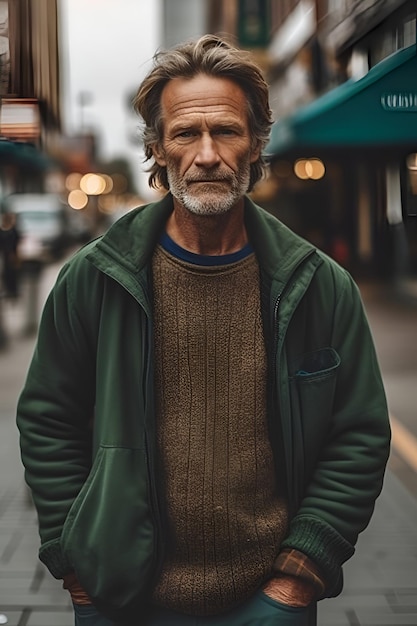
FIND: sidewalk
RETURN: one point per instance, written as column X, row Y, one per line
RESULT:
column 29, row 596
column 380, row 580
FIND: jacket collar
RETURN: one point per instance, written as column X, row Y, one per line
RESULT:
column 278, row 249
column 128, row 245
column 131, row 240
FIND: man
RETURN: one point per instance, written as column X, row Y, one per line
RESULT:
column 203, row 426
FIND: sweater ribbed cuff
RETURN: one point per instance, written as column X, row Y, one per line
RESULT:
column 51, row 555
column 321, row 543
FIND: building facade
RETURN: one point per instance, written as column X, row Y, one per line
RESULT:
column 29, row 91
column 344, row 65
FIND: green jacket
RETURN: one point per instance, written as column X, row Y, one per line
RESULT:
column 86, row 413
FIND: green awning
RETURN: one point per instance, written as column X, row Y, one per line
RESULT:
column 377, row 110
column 23, row 156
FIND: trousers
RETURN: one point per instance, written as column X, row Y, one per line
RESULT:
column 260, row 610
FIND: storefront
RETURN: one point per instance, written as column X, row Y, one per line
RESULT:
column 352, row 154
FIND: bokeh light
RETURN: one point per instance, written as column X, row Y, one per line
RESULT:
column 309, row 169
column 77, row 199
column 92, row 184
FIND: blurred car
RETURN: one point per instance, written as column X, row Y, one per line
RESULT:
column 41, row 221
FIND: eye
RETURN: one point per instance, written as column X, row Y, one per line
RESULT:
column 185, row 134
column 226, row 132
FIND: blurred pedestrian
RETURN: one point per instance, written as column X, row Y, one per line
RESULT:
column 9, row 250
column 203, row 426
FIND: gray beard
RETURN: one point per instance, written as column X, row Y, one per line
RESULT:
column 210, row 202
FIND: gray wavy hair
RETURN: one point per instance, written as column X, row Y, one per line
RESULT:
column 215, row 57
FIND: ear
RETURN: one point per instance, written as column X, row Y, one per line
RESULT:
column 159, row 154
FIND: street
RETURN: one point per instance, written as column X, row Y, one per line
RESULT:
column 380, row 580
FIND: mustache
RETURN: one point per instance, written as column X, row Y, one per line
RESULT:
column 199, row 177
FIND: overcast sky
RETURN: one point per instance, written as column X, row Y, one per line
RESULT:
column 106, row 48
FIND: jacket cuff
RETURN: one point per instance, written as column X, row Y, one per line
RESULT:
column 321, row 543
column 51, row 555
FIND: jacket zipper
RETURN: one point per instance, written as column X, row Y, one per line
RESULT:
column 277, row 404
column 150, row 447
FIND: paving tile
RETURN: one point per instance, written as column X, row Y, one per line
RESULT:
column 377, row 618
column 13, row 617
column 330, row 617
column 41, row 617
column 53, row 618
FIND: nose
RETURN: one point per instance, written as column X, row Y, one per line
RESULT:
column 207, row 154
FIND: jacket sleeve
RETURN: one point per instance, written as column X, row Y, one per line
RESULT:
column 54, row 416
column 340, row 493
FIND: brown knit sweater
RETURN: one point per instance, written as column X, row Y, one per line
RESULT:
column 226, row 521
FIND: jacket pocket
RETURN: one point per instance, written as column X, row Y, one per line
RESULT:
column 322, row 363
column 313, row 388
column 109, row 535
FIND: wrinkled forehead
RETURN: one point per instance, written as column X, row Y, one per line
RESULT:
column 203, row 95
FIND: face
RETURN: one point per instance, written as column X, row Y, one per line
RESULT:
column 206, row 147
